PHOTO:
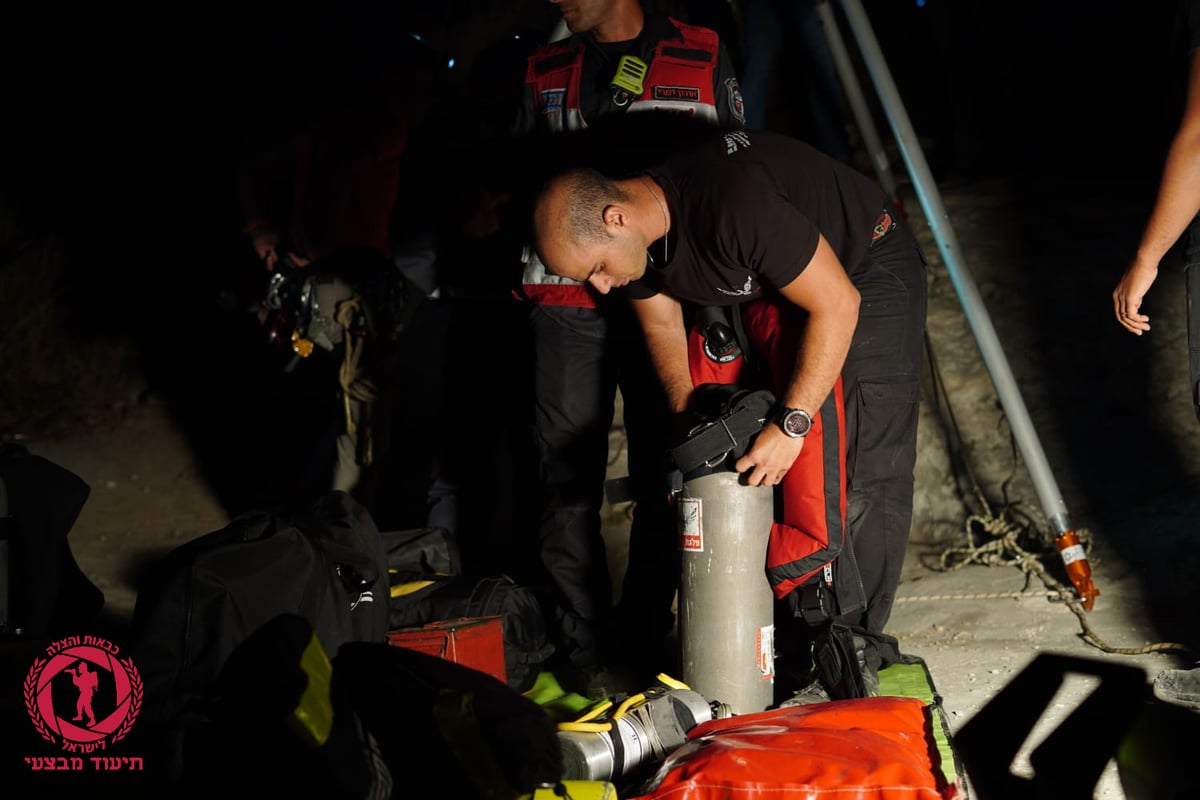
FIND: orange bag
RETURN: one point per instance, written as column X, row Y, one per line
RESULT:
column 874, row 748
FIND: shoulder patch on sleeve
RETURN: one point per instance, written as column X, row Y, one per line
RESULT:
column 735, row 100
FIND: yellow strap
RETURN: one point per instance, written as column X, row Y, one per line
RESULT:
column 586, row 727
column 402, row 589
column 667, row 680
column 583, row 724
column 312, row 718
column 595, row 711
column 632, row 700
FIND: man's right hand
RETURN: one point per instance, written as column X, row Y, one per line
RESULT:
column 1128, row 296
column 772, row 453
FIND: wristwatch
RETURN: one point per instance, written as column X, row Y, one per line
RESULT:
column 795, row 422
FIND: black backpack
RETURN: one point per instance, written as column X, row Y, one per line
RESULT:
column 427, row 587
column 374, row 721
column 325, row 564
column 43, row 592
column 526, row 646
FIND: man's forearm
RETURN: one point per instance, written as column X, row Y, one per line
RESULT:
column 819, row 359
column 821, row 356
column 826, row 293
column 661, row 320
column 1176, row 205
column 668, row 352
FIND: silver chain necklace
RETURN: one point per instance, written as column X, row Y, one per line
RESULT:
column 663, row 209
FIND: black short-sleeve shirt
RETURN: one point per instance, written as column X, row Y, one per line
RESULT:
column 746, row 211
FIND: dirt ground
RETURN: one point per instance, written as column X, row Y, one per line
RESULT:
column 1111, row 413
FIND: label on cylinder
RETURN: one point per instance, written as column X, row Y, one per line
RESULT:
column 691, row 532
column 766, row 652
column 1073, row 553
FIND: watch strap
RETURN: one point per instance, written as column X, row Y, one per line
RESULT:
column 731, row 433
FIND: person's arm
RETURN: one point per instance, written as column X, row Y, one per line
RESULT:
column 1176, row 206
column 823, row 290
column 661, row 318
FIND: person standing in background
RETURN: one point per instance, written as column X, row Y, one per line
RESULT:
column 766, row 26
column 1175, row 217
column 635, row 83
column 1176, row 213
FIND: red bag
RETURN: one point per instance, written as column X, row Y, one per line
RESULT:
column 874, row 748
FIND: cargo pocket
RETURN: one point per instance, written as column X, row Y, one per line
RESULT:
column 885, row 431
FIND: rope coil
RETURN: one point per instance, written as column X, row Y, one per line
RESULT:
column 1000, row 543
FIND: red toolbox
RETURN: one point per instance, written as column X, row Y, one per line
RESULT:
column 475, row 642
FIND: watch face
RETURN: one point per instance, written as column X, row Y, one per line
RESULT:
column 796, row 423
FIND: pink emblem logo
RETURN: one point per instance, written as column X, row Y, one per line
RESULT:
column 82, row 696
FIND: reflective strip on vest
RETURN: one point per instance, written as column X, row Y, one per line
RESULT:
column 540, row 286
column 570, row 119
column 700, row 110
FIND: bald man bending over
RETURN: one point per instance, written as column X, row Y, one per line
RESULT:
column 831, row 288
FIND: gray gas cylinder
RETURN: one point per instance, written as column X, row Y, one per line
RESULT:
column 726, row 608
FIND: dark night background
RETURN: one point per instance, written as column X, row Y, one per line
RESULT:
column 123, row 129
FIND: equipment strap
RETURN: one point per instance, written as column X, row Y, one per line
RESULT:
column 729, row 433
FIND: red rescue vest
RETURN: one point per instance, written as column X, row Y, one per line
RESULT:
column 679, row 78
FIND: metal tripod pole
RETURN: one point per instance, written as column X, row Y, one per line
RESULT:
column 968, row 294
column 856, row 99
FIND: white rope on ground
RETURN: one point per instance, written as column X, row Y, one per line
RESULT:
column 979, row 596
column 1003, row 548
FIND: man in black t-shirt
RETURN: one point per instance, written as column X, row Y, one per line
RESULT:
column 583, row 103
column 832, row 292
